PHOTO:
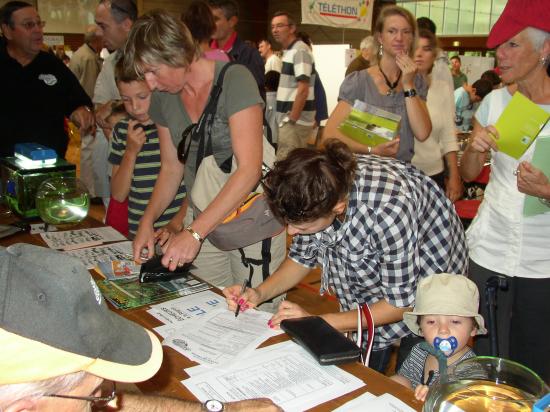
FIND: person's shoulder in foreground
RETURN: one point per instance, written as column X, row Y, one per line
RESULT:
column 60, row 341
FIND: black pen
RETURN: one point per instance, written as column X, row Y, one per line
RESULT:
column 243, row 288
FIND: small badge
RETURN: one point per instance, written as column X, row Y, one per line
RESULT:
column 49, row 79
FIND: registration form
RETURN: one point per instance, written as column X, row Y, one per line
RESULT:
column 284, row 373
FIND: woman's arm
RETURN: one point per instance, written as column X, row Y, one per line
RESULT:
column 287, row 275
column 453, row 187
column 246, row 139
column 246, row 132
column 121, row 177
column 417, row 112
column 337, row 116
column 166, row 187
column 481, row 141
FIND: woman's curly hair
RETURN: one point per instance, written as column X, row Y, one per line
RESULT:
column 309, row 182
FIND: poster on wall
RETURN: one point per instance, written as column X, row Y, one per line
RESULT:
column 66, row 16
column 347, row 14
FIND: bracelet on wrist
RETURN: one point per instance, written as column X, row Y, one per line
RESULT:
column 194, row 234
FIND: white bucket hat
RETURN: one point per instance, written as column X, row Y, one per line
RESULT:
column 445, row 294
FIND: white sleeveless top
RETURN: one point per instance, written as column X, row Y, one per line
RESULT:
column 500, row 238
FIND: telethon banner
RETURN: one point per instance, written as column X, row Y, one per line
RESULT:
column 346, row 14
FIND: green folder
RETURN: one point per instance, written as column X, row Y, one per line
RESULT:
column 519, row 124
column 541, row 159
column 370, row 125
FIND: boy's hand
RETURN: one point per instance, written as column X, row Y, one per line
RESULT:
column 136, row 137
column 420, row 392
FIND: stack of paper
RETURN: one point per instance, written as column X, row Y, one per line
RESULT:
column 219, row 338
column 284, row 373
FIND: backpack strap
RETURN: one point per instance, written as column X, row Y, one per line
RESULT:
column 264, row 261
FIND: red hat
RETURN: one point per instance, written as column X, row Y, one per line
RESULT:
column 518, row 15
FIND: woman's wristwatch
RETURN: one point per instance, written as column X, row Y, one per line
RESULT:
column 409, row 93
column 213, row 405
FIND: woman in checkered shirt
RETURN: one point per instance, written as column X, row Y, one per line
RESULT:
column 374, row 225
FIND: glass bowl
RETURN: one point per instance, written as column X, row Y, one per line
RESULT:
column 486, row 383
column 62, row 200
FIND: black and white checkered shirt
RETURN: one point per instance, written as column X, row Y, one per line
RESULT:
column 399, row 226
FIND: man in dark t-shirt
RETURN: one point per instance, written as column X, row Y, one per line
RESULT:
column 38, row 90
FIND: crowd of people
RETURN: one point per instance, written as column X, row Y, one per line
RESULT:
column 378, row 220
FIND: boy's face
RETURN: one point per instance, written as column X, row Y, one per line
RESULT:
column 445, row 326
column 136, row 97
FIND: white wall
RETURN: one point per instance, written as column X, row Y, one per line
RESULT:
column 330, row 63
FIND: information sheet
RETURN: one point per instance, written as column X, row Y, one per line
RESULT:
column 80, row 238
column 219, row 338
column 286, row 374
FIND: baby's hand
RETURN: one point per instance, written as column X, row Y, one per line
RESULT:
column 420, row 392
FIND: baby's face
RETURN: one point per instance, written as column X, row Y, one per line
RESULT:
column 446, row 326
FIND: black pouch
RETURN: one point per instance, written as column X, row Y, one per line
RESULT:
column 153, row 271
column 325, row 343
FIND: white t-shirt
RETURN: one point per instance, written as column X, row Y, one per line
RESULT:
column 500, row 238
column 273, row 62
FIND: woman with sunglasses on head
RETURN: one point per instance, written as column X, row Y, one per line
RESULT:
column 161, row 50
column 505, row 245
column 391, row 84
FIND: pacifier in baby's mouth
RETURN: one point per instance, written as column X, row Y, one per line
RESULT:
column 446, row 345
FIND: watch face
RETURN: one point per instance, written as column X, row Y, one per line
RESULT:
column 213, row 405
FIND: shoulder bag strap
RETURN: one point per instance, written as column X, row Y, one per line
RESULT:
column 203, row 130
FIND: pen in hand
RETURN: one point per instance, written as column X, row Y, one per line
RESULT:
column 243, row 288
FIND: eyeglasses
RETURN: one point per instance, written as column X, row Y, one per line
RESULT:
column 279, row 26
column 183, row 151
column 97, row 401
column 30, row 25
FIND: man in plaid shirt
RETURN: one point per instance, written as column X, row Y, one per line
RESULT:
column 374, row 225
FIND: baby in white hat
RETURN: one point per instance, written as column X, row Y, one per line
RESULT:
column 446, row 315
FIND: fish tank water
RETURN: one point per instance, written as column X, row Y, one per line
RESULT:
column 62, row 201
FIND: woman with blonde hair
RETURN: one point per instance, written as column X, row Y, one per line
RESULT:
column 441, row 147
column 161, row 50
column 391, row 84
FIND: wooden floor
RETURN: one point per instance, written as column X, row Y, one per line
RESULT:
column 306, row 293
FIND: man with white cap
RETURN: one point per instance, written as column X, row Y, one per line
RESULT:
column 60, row 342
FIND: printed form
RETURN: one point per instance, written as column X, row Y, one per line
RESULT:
column 219, row 338
column 285, row 373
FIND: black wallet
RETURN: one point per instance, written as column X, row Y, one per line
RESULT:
column 153, row 271
column 325, row 343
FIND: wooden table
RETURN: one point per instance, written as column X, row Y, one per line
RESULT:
column 167, row 380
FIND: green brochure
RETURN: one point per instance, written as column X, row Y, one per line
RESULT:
column 519, row 124
column 532, row 205
column 370, row 125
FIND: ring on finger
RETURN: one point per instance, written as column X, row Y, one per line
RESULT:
column 170, row 260
column 180, row 263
